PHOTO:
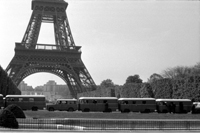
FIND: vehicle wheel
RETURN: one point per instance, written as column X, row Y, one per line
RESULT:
column 51, row 109
column 70, row 109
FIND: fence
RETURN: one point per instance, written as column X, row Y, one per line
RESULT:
column 102, row 124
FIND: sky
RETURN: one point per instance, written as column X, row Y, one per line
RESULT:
column 119, row 38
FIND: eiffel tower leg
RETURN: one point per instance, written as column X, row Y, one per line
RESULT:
column 32, row 32
column 17, row 64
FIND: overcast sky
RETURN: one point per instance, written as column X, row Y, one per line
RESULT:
column 119, row 38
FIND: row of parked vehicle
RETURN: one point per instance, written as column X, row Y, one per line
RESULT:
column 111, row 104
column 102, row 104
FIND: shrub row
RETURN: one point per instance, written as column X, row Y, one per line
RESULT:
column 188, row 87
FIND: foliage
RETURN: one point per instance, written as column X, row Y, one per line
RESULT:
column 99, row 92
column 131, row 90
column 16, row 110
column 146, row 91
column 176, row 72
column 196, row 69
column 185, row 81
column 181, row 71
column 86, row 94
column 188, row 87
column 162, row 88
column 154, row 77
column 3, row 81
column 7, row 119
column 107, row 83
column 7, row 86
column 177, row 82
column 133, row 79
column 118, row 90
column 63, row 92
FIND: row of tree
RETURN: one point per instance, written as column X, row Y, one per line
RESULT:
column 6, row 84
column 177, row 82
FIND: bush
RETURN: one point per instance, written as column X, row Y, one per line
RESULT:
column 7, row 119
column 16, row 110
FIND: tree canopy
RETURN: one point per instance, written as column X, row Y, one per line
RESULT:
column 107, row 83
column 7, row 86
column 181, row 71
column 154, row 77
column 134, row 79
column 178, row 82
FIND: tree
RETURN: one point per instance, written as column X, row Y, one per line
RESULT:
column 118, row 90
column 162, row 88
column 154, row 77
column 196, row 69
column 3, row 81
column 134, row 79
column 188, row 88
column 107, row 83
column 131, row 90
column 146, row 90
column 7, row 86
column 177, row 72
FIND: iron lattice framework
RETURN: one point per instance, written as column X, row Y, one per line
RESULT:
column 62, row 58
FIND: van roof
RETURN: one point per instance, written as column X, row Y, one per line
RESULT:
column 136, row 99
column 175, row 100
column 25, row 96
column 98, row 98
column 66, row 99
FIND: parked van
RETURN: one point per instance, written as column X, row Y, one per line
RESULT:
column 63, row 105
column 26, row 102
column 143, row 105
column 100, row 104
column 173, row 105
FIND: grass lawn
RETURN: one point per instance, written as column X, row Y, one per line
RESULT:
column 99, row 115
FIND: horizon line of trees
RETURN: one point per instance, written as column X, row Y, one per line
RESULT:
column 178, row 82
column 178, row 72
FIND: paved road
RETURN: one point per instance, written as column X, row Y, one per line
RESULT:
column 134, row 131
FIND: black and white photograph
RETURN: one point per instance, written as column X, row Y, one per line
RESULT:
column 100, row 66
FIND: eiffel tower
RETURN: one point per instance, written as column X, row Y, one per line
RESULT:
column 62, row 58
